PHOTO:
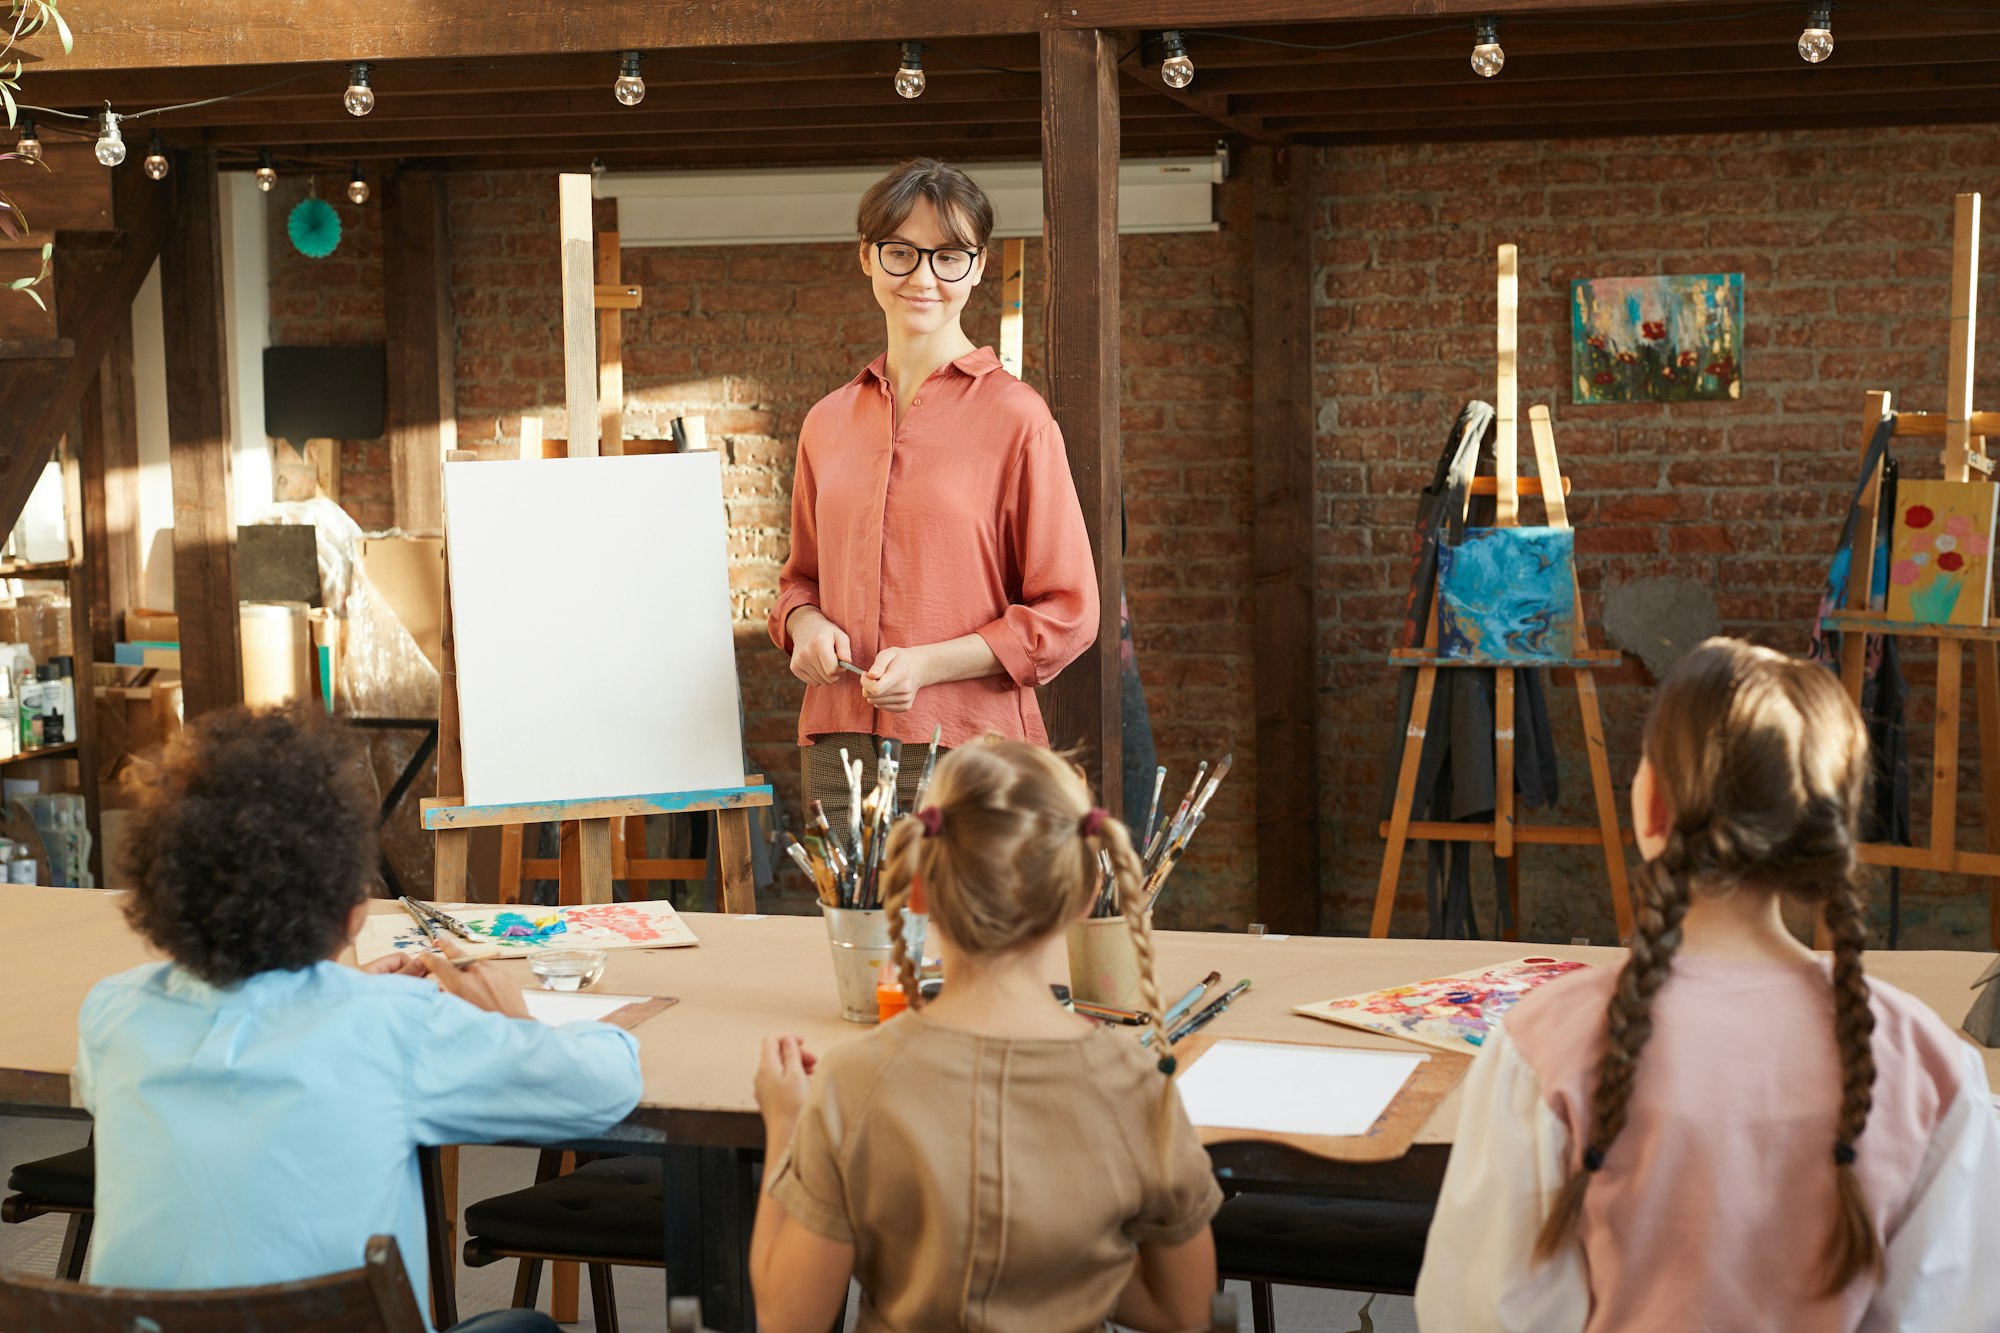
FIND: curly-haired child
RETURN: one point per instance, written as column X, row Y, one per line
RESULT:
column 1728, row 1132
column 258, row 1106
column 988, row 1160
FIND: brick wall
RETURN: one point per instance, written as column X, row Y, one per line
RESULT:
column 1843, row 239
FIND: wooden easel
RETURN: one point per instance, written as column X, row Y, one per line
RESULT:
column 1507, row 831
column 586, row 864
column 1964, row 432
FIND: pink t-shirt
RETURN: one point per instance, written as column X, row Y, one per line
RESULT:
column 1713, row 1206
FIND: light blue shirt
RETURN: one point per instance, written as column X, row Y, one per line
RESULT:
column 262, row 1133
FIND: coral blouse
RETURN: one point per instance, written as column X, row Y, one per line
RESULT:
column 960, row 519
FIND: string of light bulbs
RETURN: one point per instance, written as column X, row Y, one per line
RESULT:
column 1176, row 70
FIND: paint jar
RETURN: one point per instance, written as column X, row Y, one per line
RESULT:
column 1104, row 962
column 567, row 969
column 858, row 939
column 21, row 871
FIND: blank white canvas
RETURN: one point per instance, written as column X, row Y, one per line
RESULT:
column 590, row 611
column 1294, row 1089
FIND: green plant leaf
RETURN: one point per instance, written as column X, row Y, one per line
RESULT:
column 69, row 42
column 7, row 97
column 36, row 297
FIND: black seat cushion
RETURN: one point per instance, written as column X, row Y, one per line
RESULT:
column 68, row 1180
column 609, row 1207
column 1360, row 1244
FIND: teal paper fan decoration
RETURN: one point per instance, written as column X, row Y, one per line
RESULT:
column 315, row 228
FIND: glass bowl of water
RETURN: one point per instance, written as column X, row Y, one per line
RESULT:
column 567, row 969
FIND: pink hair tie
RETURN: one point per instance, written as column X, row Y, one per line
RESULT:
column 932, row 819
column 1093, row 823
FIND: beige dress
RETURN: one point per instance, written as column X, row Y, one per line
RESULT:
column 991, row 1184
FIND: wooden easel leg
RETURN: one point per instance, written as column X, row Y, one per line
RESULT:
column 594, row 839
column 1607, row 802
column 1406, row 794
column 569, row 864
column 449, row 862
column 736, row 880
column 1503, row 763
column 1986, row 677
column 510, row 863
column 1513, row 870
column 1944, row 767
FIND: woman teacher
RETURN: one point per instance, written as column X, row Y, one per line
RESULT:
column 937, row 544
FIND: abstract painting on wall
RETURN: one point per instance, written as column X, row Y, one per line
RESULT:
column 1508, row 595
column 1941, row 556
column 1671, row 339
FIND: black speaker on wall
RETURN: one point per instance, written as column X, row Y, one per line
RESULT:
column 325, row 393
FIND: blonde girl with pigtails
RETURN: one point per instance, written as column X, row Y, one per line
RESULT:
column 988, row 1160
column 1729, row 1131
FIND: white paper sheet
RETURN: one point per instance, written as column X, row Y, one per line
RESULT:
column 1293, row 1089
column 590, row 608
column 558, row 1007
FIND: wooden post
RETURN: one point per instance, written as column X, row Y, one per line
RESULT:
column 1080, row 220
column 110, row 463
column 423, row 377
column 579, row 289
column 610, row 349
column 82, row 641
column 451, row 850
column 1281, row 558
column 198, row 440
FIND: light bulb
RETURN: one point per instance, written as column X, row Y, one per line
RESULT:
column 1487, row 57
column 111, row 142
column 1176, row 71
column 357, row 189
column 359, row 98
column 629, row 89
column 267, row 173
column 28, row 146
column 910, row 74
column 1816, row 42
column 156, row 160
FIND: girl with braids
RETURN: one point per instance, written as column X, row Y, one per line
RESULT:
column 987, row 1161
column 1729, row 1132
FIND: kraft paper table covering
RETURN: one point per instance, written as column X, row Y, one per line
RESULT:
column 755, row 976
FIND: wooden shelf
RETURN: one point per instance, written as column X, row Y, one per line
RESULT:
column 36, row 569
column 42, row 752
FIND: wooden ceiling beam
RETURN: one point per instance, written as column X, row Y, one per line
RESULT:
column 1761, row 118
column 167, row 33
column 1136, row 68
column 1671, row 117
column 664, row 159
column 1807, row 86
column 1259, row 13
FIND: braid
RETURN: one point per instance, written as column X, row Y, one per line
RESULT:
column 1132, row 904
column 1658, row 938
column 1852, row 1247
column 899, row 878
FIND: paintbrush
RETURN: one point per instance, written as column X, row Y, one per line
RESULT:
column 834, row 855
column 1153, row 814
column 930, row 762
column 805, row 861
column 1214, row 781
column 424, row 926
column 1165, row 837
column 852, row 770
column 1157, row 881
column 440, row 919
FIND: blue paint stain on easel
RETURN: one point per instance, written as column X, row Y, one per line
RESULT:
column 1508, row 595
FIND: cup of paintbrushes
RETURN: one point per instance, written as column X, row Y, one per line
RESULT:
column 1104, row 962
column 858, row 939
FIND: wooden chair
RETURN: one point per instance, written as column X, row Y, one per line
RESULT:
column 63, row 1185
column 374, row 1298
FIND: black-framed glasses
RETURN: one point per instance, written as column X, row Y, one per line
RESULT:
column 899, row 259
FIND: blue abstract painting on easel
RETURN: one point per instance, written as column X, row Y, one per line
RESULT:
column 1508, row 595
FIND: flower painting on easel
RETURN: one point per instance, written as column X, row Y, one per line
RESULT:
column 1670, row 339
column 1941, row 552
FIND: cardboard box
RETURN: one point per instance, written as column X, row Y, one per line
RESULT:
column 409, row 573
column 143, row 626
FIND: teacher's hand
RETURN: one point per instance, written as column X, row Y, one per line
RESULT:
column 818, row 645
column 893, row 680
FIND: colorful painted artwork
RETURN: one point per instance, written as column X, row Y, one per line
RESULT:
column 1508, row 595
column 1941, row 552
column 1671, row 339
column 1450, row 1013
column 526, row 929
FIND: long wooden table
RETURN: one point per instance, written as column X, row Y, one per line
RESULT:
column 754, row 976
